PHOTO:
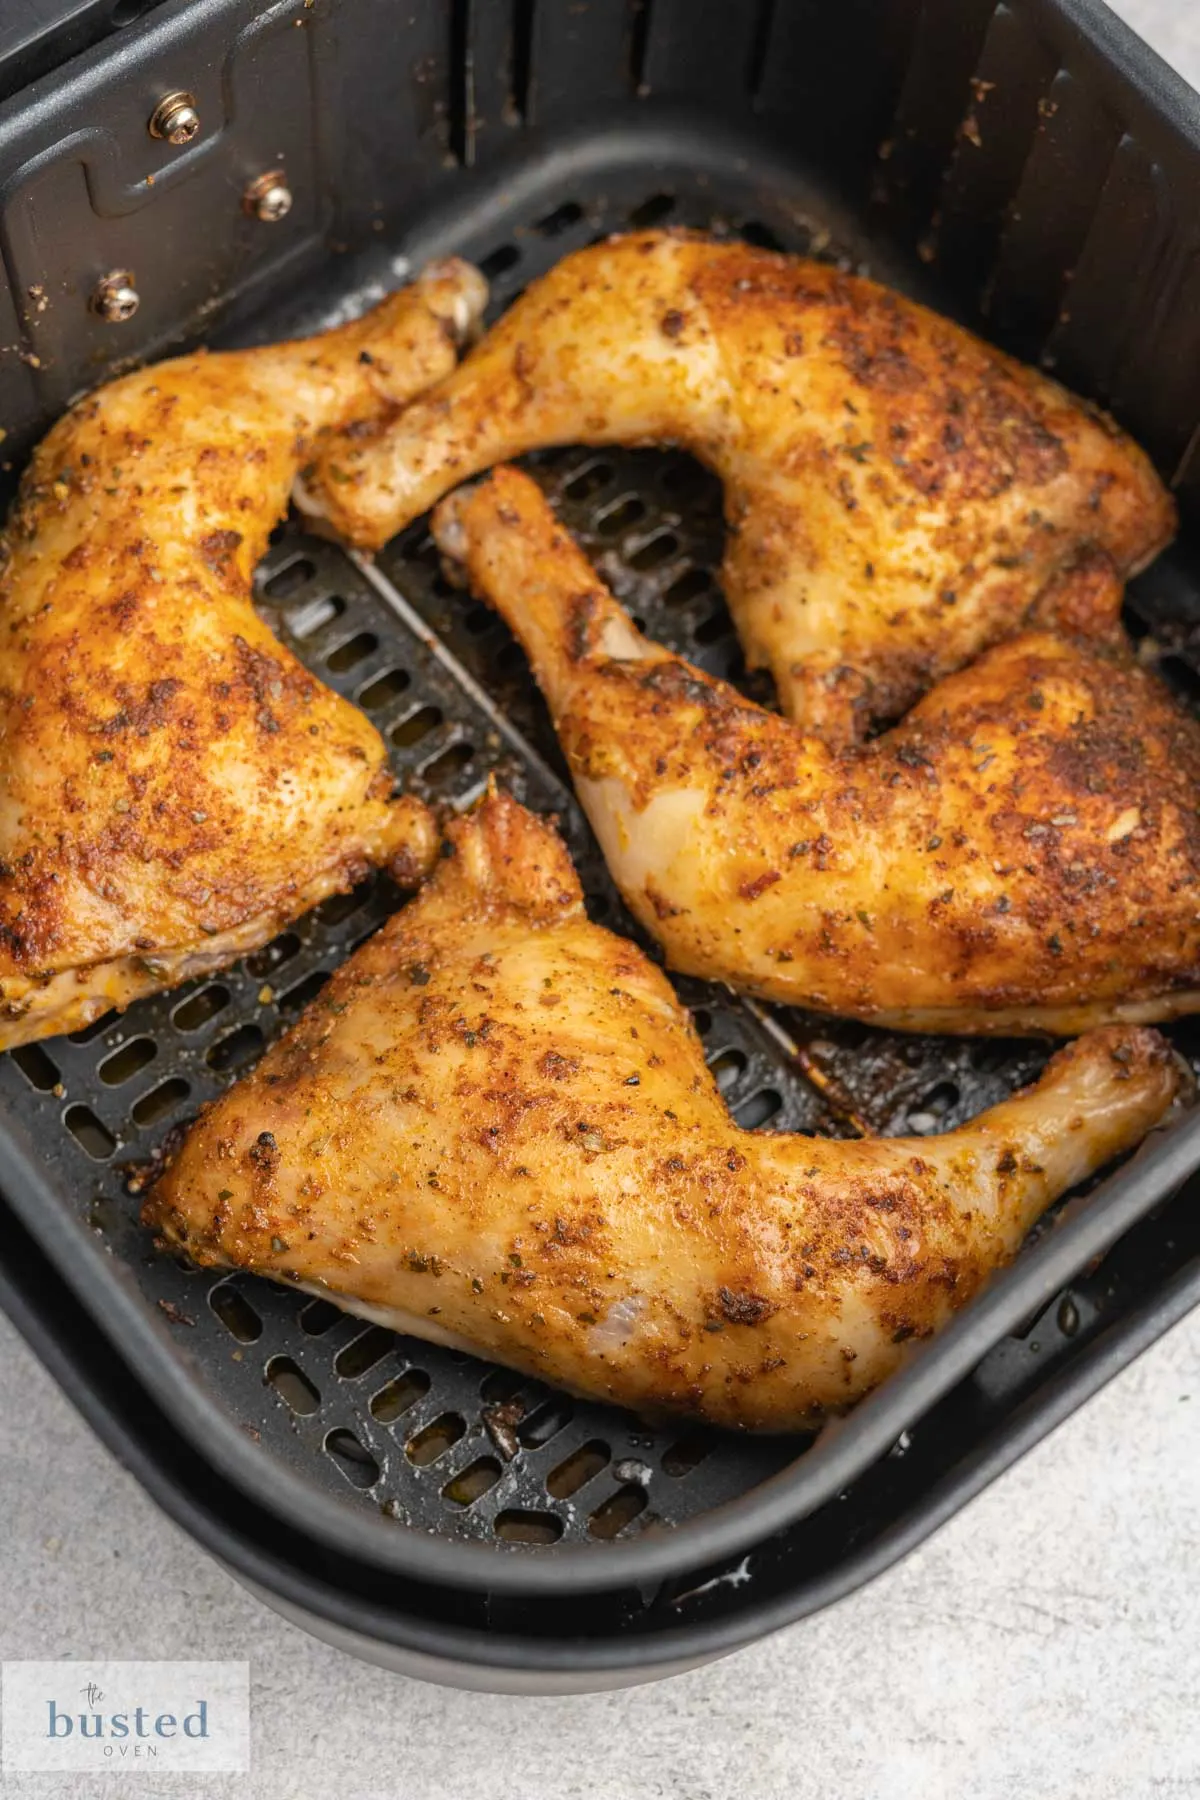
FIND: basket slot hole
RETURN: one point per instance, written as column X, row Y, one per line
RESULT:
column 727, row 1068
column 352, row 652
column 755, row 232
column 687, row 587
column 546, row 1421
column 384, row 689
column 754, row 1113
column 128, row 1061
column 343, row 906
column 687, row 1453
column 499, row 260
column 445, row 769
column 620, row 516
column 37, row 1068
column 685, row 479
column 237, row 1050
column 652, row 211
column 304, row 991
column 519, row 1526
column 654, row 551
column 477, row 619
column 560, row 220
column 88, row 1132
column 400, row 1395
column 352, row 1458
column 498, row 1386
column 588, row 481
column 273, row 955
column 1181, row 677
column 928, row 1114
column 128, row 12
column 292, row 1385
column 558, row 456
column 236, row 1313
column 86, row 1033
column 418, row 544
column 714, row 628
column 702, row 1019
column 199, row 1008
column 318, row 1317
column 160, row 1101
column 582, row 1466
column 416, row 726
column 436, row 1438
column 291, row 579
column 307, row 620
column 473, row 1482
column 617, row 1512
column 364, row 1352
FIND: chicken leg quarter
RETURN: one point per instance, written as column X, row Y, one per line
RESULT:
column 898, row 493
column 173, row 784
column 1021, row 854
column 495, row 1129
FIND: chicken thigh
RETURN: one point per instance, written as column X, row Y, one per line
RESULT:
column 898, row 493
column 495, row 1129
column 173, row 784
column 1022, row 853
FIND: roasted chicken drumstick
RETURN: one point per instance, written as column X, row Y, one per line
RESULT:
column 173, row 784
column 1021, row 854
column 495, row 1129
column 898, row 493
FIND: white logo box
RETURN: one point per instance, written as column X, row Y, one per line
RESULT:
column 157, row 1717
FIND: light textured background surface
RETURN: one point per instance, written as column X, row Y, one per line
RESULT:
column 1046, row 1643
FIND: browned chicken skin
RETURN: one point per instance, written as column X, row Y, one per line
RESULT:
column 1022, row 853
column 898, row 493
column 173, row 784
column 495, row 1129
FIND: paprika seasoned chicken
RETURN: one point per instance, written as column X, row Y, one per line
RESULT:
column 898, row 494
column 173, row 784
column 1022, row 853
column 495, row 1129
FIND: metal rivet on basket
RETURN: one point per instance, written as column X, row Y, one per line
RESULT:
column 268, row 197
column 114, row 298
column 175, row 118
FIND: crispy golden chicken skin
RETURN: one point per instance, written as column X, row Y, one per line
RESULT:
column 173, row 784
column 898, row 493
column 495, row 1129
column 1022, row 853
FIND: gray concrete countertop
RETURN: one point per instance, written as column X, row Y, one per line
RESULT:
column 1045, row 1643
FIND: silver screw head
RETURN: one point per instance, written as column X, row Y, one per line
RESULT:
column 175, row 118
column 114, row 298
column 268, row 197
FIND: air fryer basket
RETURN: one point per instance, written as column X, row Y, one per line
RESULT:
column 514, row 132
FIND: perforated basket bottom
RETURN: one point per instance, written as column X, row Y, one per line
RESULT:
column 434, row 1438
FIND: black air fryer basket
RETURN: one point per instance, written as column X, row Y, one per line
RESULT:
column 1030, row 168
